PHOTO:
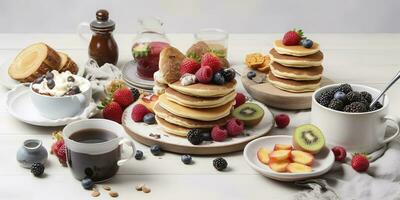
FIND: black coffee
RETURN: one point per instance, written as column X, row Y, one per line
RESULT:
column 98, row 167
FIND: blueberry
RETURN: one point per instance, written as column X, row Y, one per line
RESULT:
column 87, row 183
column 218, row 78
column 76, row 89
column 149, row 118
column 340, row 96
column 229, row 74
column 71, row 79
column 206, row 136
column 139, row 155
column 49, row 75
column 251, row 74
column 51, row 84
column 307, row 43
column 39, row 80
column 155, row 150
column 186, row 159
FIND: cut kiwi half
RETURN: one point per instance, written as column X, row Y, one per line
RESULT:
column 308, row 138
column 250, row 113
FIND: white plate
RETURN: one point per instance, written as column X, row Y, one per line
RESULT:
column 142, row 133
column 323, row 161
column 20, row 106
column 129, row 74
column 10, row 83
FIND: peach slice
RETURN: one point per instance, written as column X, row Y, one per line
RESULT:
column 302, row 157
column 279, row 155
column 298, row 168
column 263, row 155
column 279, row 166
column 283, row 147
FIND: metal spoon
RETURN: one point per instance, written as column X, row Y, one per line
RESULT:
column 396, row 78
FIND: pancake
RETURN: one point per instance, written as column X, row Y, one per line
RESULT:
column 296, row 50
column 208, row 114
column 198, row 102
column 300, row 74
column 185, row 122
column 172, row 128
column 294, row 61
column 292, row 85
column 204, row 90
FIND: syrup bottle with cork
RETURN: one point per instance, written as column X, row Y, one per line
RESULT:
column 103, row 48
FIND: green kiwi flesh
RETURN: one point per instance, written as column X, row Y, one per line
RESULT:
column 308, row 138
column 250, row 113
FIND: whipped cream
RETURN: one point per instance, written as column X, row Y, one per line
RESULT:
column 158, row 76
column 188, row 79
column 62, row 85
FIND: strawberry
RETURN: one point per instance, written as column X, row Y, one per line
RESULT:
column 61, row 155
column 360, row 162
column 239, row 99
column 204, row 74
column 123, row 97
column 189, row 65
column 57, row 147
column 138, row 112
column 212, row 61
column 113, row 111
column 292, row 38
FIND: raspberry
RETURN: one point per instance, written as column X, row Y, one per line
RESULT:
column 292, row 38
column 282, row 120
column 212, row 61
column 204, row 74
column 138, row 112
column 219, row 134
column 234, row 127
column 239, row 99
column 189, row 65
column 123, row 97
column 340, row 153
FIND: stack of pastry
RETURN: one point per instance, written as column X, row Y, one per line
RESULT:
column 295, row 68
column 183, row 107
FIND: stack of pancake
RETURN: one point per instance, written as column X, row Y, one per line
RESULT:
column 295, row 68
column 182, row 108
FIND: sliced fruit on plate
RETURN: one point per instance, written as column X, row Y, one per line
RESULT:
column 308, row 138
column 263, row 155
column 279, row 155
column 283, row 147
column 301, row 157
column 250, row 113
column 279, row 166
column 298, row 168
column 33, row 62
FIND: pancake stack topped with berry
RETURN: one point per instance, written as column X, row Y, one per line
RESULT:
column 197, row 91
column 296, row 63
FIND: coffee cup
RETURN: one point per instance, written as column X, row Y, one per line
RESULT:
column 94, row 148
column 357, row 132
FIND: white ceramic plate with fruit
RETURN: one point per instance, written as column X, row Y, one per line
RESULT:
column 281, row 158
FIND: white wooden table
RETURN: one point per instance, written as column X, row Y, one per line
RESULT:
column 370, row 59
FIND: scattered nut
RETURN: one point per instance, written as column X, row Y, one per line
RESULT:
column 139, row 187
column 113, row 194
column 95, row 193
column 146, row 189
column 106, row 187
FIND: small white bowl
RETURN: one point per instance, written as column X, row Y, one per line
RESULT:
column 322, row 164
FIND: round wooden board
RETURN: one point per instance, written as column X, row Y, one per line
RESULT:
column 268, row 94
column 142, row 132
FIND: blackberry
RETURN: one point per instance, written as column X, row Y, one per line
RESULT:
column 195, row 136
column 135, row 94
column 37, row 169
column 220, row 164
column 346, row 88
column 355, row 107
column 336, row 104
column 325, row 97
column 229, row 74
column 376, row 106
column 353, row 97
column 139, row 155
column 366, row 96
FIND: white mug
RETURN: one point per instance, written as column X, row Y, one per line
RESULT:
column 357, row 132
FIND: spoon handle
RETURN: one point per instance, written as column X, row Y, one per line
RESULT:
column 397, row 77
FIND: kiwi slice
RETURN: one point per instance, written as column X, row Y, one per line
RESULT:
column 308, row 138
column 250, row 113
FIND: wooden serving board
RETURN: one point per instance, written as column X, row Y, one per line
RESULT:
column 268, row 94
column 144, row 134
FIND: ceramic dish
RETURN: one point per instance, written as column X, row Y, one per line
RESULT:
column 322, row 164
column 10, row 83
column 20, row 106
column 129, row 74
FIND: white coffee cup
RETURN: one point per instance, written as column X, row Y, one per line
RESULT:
column 53, row 107
column 357, row 132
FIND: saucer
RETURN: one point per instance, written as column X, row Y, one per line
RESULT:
column 129, row 74
column 20, row 106
column 323, row 161
column 10, row 83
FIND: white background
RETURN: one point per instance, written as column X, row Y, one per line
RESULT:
column 239, row 16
